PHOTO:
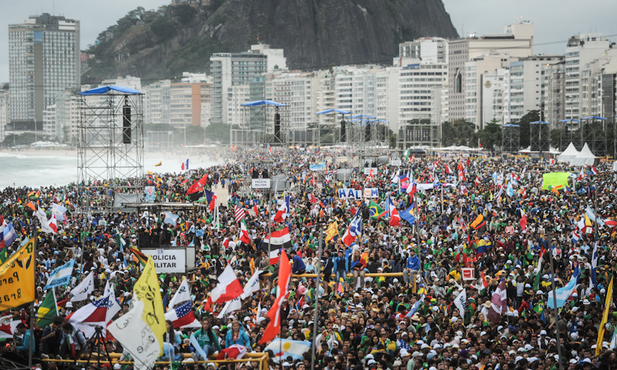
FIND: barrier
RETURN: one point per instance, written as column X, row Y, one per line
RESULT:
column 369, row 274
column 260, row 357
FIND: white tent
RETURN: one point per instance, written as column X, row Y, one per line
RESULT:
column 584, row 157
column 568, row 154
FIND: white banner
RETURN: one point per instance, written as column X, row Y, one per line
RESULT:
column 168, row 261
column 260, row 183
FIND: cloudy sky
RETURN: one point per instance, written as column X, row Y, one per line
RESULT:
column 555, row 20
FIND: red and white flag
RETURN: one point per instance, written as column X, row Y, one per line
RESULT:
column 281, row 213
column 610, row 223
column 499, row 303
column 278, row 239
column 183, row 316
column 274, row 326
column 228, row 288
column 274, row 256
column 448, row 170
column 244, row 234
column 523, row 221
column 239, row 213
column 97, row 313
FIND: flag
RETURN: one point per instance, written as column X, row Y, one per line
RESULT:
column 48, row 310
column 594, row 265
column 244, row 234
column 415, row 306
column 198, row 186
column 31, row 206
column 499, row 303
column 274, row 256
column 83, row 289
column 251, row 286
column 395, row 219
column 8, row 327
column 228, row 287
column 230, row 306
column 590, row 214
column 147, row 289
column 120, row 241
column 282, row 211
column 602, row 328
column 460, row 301
column 448, row 170
column 58, row 211
column 145, row 347
column 332, row 231
column 354, row 230
column 291, row 348
column 211, row 199
column 523, row 221
column 96, row 313
column 608, row 222
column 47, row 226
column 182, row 294
column 8, row 235
column 17, row 277
column 239, row 213
column 61, row 275
column 278, row 239
column 142, row 258
column 269, row 149
column 510, row 190
column 182, row 316
column 274, row 326
column 170, row 218
column 159, row 164
column 411, row 190
column 185, row 165
column 375, row 211
column 478, row 222
column 536, row 283
column 563, row 293
column 409, row 214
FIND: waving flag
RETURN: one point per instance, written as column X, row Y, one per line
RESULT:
column 523, row 221
column 97, row 313
column 83, row 289
column 8, row 235
column 251, row 286
column 395, row 219
column 182, row 294
column 415, row 306
column 563, row 293
column 228, row 287
column 332, row 231
column 170, row 218
column 185, row 165
column 239, row 213
column 61, row 275
column 198, row 186
column 409, row 214
column 244, row 234
column 283, row 211
column 594, row 265
column 48, row 310
column 291, row 348
column 602, row 328
column 353, row 231
column 274, row 326
column 375, row 211
column 211, row 199
column 478, row 222
column 278, row 239
column 499, row 303
column 183, row 316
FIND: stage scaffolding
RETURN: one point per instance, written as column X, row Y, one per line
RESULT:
column 568, row 128
column 511, row 138
column 330, row 130
column 539, row 136
column 418, row 132
column 593, row 132
column 263, row 123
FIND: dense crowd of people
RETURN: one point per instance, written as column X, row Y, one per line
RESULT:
column 384, row 301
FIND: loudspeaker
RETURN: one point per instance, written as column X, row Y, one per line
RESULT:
column 343, row 131
column 277, row 126
column 126, row 124
column 367, row 132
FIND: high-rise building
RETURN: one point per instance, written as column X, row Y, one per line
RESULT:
column 4, row 112
column 516, row 42
column 44, row 60
column 229, row 70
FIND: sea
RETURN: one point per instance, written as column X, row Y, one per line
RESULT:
column 58, row 169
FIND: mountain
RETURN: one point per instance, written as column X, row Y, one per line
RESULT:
column 313, row 33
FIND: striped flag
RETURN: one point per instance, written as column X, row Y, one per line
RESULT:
column 239, row 213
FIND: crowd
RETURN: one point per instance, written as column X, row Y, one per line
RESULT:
column 524, row 236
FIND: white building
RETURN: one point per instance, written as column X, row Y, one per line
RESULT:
column 425, row 49
column 50, row 128
column 4, row 113
column 421, row 88
column 44, row 59
column 127, row 81
column 276, row 57
column 157, row 102
column 493, row 86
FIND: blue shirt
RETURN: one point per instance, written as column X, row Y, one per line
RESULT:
column 413, row 263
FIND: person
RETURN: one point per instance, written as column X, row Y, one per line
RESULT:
column 411, row 268
column 237, row 335
column 341, row 267
column 171, row 343
column 73, row 341
column 205, row 341
column 358, row 264
column 21, row 348
column 52, row 338
column 299, row 267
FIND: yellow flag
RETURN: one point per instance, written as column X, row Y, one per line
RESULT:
column 331, row 231
column 148, row 291
column 607, row 304
column 17, row 278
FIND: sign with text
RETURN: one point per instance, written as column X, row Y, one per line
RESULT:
column 371, row 193
column 168, row 261
column 17, row 277
column 468, row 273
column 396, row 162
column 260, row 183
column 349, row 194
column 371, row 171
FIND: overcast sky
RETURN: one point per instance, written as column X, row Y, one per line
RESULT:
column 555, row 20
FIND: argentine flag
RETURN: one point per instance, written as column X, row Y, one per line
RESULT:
column 564, row 293
column 61, row 275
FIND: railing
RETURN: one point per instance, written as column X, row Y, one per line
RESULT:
column 369, row 274
column 260, row 357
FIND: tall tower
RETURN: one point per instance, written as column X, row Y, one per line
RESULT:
column 44, row 60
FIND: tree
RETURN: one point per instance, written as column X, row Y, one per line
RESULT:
column 184, row 12
column 459, row 132
column 524, row 130
column 491, row 135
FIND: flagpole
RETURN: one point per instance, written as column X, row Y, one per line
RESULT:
column 316, row 314
column 555, row 307
column 31, row 343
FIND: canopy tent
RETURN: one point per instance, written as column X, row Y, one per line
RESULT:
column 568, row 154
column 334, row 111
column 585, row 157
column 262, row 102
column 110, row 88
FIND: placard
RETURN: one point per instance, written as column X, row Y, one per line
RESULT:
column 260, row 183
column 371, row 193
column 396, row 162
column 468, row 273
column 349, row 194
column 168, row 261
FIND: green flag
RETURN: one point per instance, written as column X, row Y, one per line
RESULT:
column 48, row 310
column 375, row 210
column 536, row 283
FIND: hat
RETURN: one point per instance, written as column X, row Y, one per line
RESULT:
column 69, row 305
column 370, row 362
column 586, row 302
column 543, row 332
column 286, row 364
column 404, row 352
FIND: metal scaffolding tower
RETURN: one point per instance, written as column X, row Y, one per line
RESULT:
column 263, row 123
column 331, row 130
column 111, row 137
column 593, row 132
column 511, row 138
column 568, row 127
column 539, row 136
column 418, row 132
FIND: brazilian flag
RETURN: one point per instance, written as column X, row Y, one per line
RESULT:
column 375, row 211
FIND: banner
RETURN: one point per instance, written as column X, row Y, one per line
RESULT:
column 371, row 193
column 150, row 192
column 468, row 273
column 350, row 194
column 555, row 179
column 17, row 277
column 317, row 167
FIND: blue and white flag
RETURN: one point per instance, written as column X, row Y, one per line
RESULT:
column 563, row 293
column 61, row 275
column 290, row 348
column 317, row 167
column 594, row 265
column 8, row 235
column 510, row 190
column 415, row 307
column 589, row 212
column 170, row 218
